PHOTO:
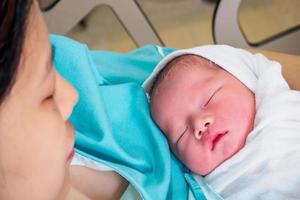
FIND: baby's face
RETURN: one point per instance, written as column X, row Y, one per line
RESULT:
column 205, row 112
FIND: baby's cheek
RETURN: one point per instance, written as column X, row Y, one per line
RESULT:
column 194, row 157
column 245, row 119
column 230, row 147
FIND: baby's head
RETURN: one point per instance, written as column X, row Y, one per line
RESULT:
column 204, row 111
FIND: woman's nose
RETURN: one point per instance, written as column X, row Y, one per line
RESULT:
column 65, row 96
column 200, row 123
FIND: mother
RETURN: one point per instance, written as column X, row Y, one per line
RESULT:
column 36, row 139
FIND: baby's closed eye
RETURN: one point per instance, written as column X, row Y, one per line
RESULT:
column 180, row 136
column 211, row 97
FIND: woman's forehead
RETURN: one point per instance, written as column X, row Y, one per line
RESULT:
column 36, row 31
column 35, row 51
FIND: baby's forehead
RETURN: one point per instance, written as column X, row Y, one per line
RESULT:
column 190, row 60
column 182, row 64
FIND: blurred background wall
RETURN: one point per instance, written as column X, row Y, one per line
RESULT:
column 180, row 23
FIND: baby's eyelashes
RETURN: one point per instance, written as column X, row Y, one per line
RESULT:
column 180, row 136
column 207, row 102
column 211, row 97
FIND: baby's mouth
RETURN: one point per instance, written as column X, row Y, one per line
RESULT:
column 217, row 138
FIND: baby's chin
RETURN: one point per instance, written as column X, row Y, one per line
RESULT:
column 202, row 166
column 205, row 168
column 203, row 171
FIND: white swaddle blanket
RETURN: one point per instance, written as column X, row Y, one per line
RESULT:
column 268, row 167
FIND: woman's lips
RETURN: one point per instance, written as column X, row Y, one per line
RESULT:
column 71, row 131
column 71, row 155
column 217, row 138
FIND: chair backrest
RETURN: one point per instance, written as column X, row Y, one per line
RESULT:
column 227, row 31
column 67, row 13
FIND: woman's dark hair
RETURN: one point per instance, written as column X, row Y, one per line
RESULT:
column 13, row 18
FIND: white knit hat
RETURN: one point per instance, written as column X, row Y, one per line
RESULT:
column 242, row 64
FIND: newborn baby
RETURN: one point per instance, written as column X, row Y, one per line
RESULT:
column 204, row 111
column 230, row 116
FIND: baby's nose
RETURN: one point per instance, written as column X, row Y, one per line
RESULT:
column 200, row 124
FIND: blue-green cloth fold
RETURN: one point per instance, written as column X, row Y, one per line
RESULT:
column 112, row 118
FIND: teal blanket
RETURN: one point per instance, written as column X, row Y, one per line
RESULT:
column 112, row 118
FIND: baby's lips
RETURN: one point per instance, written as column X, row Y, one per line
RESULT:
column 216, row 138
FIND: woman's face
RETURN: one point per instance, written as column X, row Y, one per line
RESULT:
column 36, row 139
